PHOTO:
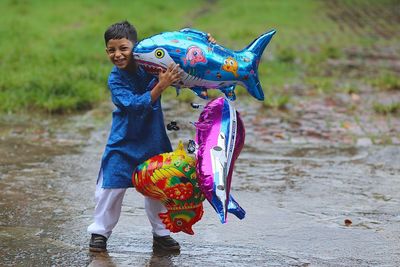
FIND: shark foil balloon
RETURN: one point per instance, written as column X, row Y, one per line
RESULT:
column 171, row 178
column 206, row 65
column 220, row 138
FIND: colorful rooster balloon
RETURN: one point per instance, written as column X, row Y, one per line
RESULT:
column 205, row 65
column 171, row 178
column 220, row 138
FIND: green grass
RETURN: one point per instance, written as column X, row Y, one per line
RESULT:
column 52, row 54
column 385, row 109
column 387, row 82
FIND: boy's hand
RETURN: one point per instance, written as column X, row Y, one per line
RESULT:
column 169, row 76
column 210, row 38
column 165, row 78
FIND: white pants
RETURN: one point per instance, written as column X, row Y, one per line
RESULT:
column 108, row 210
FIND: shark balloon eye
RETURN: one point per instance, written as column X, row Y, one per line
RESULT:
column 159, row 53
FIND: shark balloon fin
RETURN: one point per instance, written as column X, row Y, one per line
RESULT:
column 257, row 47
column 194, row 32
column 229, row 92
column 200, row 91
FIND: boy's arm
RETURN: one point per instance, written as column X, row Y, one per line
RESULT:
column 123, row 97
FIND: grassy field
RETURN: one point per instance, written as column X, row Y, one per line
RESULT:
column 52, row 56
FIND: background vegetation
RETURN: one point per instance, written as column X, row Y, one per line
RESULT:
column 52, row 55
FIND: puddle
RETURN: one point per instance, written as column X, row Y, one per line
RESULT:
column 297, row 198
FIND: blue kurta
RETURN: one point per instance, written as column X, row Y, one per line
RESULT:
column 137, row 131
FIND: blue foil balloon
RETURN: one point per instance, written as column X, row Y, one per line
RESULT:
column 206, row 65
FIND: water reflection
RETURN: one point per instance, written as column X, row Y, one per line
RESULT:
column 162, row 258
column 158, row 258
column 101, row 259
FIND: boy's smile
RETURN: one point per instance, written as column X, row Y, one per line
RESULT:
column 120, row 52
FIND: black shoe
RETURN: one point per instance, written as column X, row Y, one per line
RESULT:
column 165, row 243
column 98, row 243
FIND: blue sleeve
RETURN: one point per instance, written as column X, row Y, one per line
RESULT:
column 123, row 97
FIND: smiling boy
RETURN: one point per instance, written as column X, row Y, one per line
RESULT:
column 137, row 133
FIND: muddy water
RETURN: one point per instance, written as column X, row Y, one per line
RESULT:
column 297, row 195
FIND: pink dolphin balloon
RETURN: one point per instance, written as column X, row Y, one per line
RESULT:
column 220, row 137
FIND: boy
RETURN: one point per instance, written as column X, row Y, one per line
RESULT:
column 137, row 133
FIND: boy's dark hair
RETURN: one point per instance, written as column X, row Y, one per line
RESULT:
column 121, row 30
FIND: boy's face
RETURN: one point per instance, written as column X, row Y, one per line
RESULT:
column 119, row 52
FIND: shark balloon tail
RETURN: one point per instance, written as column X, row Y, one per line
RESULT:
column 257, row 48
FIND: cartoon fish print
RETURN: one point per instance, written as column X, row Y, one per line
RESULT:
column 230, row 65
column 194, row 55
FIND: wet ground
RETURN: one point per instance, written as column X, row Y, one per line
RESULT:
column 313, row 196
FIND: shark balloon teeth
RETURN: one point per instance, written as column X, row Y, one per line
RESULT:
column 151, row 67
column 206, row 65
